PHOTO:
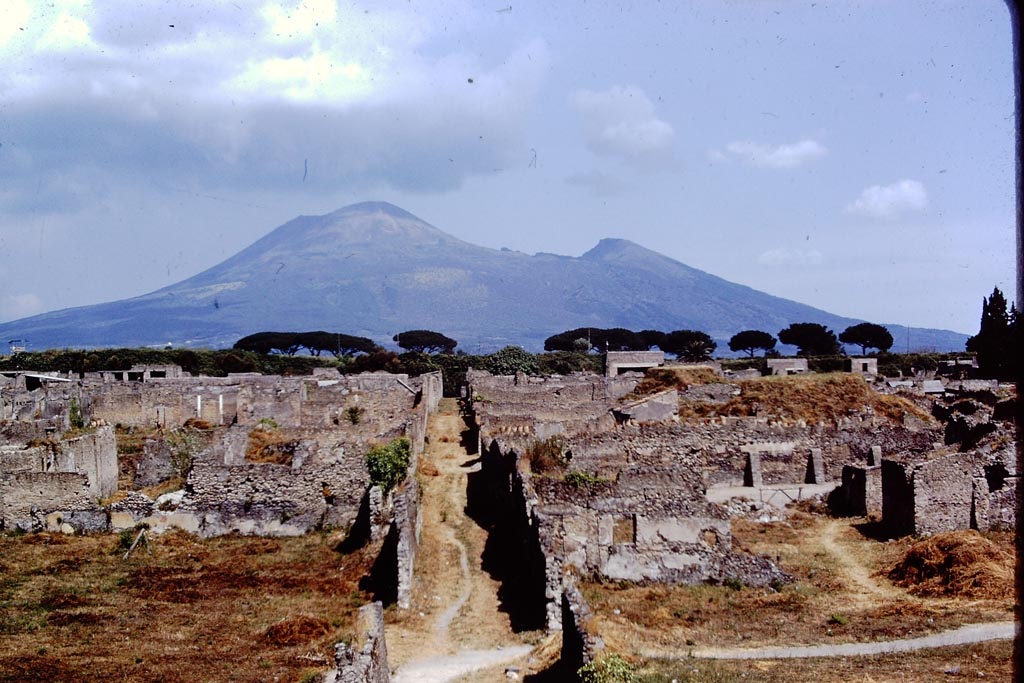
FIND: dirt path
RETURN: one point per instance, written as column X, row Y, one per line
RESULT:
column 972, row 633
column 455, row 625
column 865, row 588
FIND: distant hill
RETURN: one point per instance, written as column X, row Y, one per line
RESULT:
column 373, row 270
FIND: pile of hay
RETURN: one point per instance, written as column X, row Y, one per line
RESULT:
column 956, row 564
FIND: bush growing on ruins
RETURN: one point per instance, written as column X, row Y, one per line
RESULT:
column 580, row 479
column 354, row 414
column 184, row 444
column 510, row 360
column 608, row 669
column 565, row 362
column 544, row 456
column 75, row 417
column 388, row 463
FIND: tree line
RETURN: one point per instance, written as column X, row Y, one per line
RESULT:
column 811, row 339
column 341, row 345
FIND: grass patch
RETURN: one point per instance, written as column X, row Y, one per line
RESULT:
column 223, row 609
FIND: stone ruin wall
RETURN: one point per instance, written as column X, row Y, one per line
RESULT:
column 365, row 660
column 722, row 451
column 66, row 478
column 973, row 490
column 324, row 484
column 635, row 530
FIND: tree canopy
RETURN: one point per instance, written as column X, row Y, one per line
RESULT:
column 285, row 343
column 689, row 345
column 602, row 339
column 289, row 343
column 752, row 340
column 811, row 339
column 999, row 338
column 867, row 336
column 425, row 341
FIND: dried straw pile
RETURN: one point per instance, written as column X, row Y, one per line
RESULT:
column 961, row 564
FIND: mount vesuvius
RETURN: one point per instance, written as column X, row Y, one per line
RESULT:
column 373, row 270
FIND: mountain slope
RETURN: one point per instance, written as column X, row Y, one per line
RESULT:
column 372, row 269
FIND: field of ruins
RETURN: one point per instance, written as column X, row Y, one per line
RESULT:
column 656, row 522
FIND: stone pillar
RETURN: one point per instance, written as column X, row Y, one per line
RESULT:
column 815, row 468
column 752, row 472
column 378, row 514
column 875, row 456
column 366, row 659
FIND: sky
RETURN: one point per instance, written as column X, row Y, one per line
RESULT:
column 854, row 156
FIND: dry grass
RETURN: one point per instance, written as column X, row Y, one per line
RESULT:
column 130, row 442
column 660, row 379
column 961, row 564
column 839, row 596
column 228, row 609
column 812, row 398
column 268, row 445
column 992, row 661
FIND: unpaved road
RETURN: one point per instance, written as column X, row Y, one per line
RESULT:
column 455, row 626
column 972, row 633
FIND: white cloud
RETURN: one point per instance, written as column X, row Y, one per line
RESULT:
column 716, row 156
column 777, row 156
column 621, row 122
column 786, row 256
column 889, row 201
column 231, row 96
column 14, row 306
column 601, row 184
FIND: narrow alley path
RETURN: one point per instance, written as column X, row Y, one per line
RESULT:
column 455, row 625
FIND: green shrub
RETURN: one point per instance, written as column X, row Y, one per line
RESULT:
column 354, row 414
column 581, row 479
column 388, row 463
column 609, row 669
column 510, row 360
column 75, row 414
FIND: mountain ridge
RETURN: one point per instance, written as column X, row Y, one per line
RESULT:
column 374, row 269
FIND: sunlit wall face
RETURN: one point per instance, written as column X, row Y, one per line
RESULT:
column 857, row 157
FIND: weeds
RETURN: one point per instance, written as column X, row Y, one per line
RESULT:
column 546, row 456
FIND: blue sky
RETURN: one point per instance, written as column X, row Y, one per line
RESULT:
column 855, row 156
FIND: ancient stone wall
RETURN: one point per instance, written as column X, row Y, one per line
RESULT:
column 95, row 455
column 27, row 499
column 270, row 499
column 365, row 660
column 972, row 490
column 63, row 477
column 580, row 645
column 407, row 520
